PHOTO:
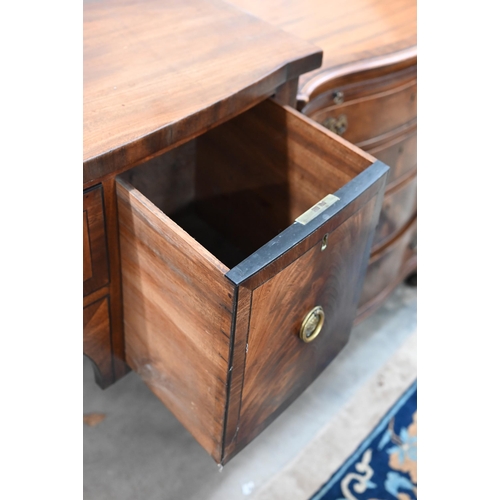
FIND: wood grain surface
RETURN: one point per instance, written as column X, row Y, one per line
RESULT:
column 186, row 315
column 178, row 308
column 87, row 257
column 239, row 342
column 354, row 35
column 95, row 254
column 279, row 366
column 363, row 84
column 399, row 207
column 148, row 90
column 398, row 150
column 387, row 268
column 158, row 73
column 380, row 107
column 370, row 116
column 261, row 170
column 97, row 340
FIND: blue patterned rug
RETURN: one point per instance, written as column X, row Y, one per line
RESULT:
column 384, row 467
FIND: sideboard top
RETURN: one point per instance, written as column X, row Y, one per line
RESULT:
column 157, row 73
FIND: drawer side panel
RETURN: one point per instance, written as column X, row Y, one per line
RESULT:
column 177, row 316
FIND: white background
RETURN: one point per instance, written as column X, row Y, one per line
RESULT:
column 41, row 249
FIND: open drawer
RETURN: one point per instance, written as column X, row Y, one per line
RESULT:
column 243, row 256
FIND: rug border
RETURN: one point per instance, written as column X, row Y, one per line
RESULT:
column 384, row 421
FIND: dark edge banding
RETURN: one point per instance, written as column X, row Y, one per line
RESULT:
column 244, row 365
column 296, row 233
column 229, row 371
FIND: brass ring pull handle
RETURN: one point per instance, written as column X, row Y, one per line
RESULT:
column 336, row 125
column 312, row 324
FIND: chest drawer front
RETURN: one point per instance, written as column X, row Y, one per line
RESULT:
column 399, row 152
column 95, row 255
column 368, row 108
column 399, row 207
column 199, row 264
column 388, row 266
column 279, row 364
column 366, row 118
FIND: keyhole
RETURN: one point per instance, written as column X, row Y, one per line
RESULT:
column 324, row 242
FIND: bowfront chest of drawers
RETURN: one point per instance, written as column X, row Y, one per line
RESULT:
column 228, row 223
column 366, row 92
column 377, row 111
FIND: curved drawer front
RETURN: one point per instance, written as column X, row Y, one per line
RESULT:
column 399, row 152
column 387, row 266
column 227, row 244
column 279, row 365
column 399, row 206
column 362, row 119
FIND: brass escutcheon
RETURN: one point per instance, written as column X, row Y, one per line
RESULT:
column 312, row 324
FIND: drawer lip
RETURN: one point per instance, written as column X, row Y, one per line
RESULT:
column 296, row 232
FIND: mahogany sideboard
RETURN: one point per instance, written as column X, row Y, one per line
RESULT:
column 234, row 196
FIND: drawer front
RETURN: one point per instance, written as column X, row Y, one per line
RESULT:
column 399, row 207
column 363, row 119
column 388, row 266
column 200, row 331
column 399, row 152
column 97, row 340
column 279, row 365
column 95, row 255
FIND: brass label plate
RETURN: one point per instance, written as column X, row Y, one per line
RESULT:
column 317, row 209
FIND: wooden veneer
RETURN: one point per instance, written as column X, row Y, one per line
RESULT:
column 218, row 275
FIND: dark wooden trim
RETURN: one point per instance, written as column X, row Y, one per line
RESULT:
column 409, row 267
column 395, row 135
column 236, row 373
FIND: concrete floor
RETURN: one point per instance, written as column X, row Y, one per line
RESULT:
column 140, row 451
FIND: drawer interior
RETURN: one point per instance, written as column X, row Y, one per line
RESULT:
column 239, row 185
